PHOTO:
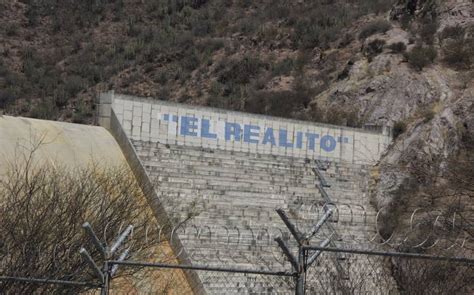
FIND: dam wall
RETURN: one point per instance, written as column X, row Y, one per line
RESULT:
column 231, row 170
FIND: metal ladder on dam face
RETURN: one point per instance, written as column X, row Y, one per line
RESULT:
column 321, row 184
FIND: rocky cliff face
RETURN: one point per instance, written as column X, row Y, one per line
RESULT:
column 431, row 108
column 437, row 107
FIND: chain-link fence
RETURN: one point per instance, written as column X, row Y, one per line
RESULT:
column 342, row 271
column 335, row 271
column 294, row 264
column 212, row 281
column 339, row 271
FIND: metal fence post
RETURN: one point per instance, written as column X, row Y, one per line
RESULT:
column 105, row 288
column 300, row 280
column 105, row 274
column 301, row 263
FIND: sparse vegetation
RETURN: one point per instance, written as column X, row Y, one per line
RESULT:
column 44, row 109
column 428, row 30
column 421, row 56
column 452, row 32
column 179, row 46
column 73, row 85
column 399, row 128
column 338, row 116
column 285, row 103
column 398, row 47
column 374, row 48
column 11, row 29
column 427, row 113
column 457, row 47
column 166, row 41
column 81, row 111
column 320, row 26
column 277, row 103
column 459, row 53
column 6, row 98
column 240, row 71
column 405, row 21
column 283, row 67
column 375, row 27
column 346, row 40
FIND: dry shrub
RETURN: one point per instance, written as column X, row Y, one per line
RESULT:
column 375, row 27
column 415, row 276
column 374, row 48
column 397, row 47
column 457, row 47
column 420, row 57
column 42, row 209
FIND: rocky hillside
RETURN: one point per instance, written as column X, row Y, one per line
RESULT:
column 264, row 57
column 406, row 63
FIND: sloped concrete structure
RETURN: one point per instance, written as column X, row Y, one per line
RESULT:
column 71, row 145
column 233, row 170
column 74, row 146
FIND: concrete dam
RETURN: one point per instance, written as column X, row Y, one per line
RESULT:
column 214, row 179
column 231, row 170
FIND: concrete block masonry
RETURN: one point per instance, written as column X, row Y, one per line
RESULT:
column 234, row 169
column 186, row 125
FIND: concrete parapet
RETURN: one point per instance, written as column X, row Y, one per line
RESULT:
column 185, row 125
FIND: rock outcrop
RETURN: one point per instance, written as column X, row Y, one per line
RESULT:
column 434, row 105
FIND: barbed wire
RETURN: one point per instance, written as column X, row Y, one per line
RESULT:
column 258, row 256
column 424, row 230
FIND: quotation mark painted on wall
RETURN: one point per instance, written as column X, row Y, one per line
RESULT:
column 167, row 117
column 343, row 139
